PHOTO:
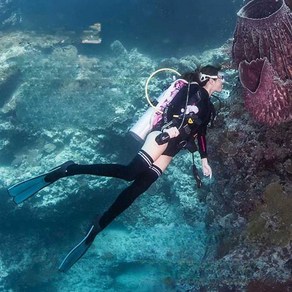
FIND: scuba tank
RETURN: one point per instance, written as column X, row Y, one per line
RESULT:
column 143, row 126
column 154, row 114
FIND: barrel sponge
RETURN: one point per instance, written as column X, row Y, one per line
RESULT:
column 262, row 51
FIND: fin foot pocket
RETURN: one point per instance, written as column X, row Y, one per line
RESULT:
column 58, row 172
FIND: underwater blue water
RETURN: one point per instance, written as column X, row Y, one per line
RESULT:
column 75, row 102
column 159, row 28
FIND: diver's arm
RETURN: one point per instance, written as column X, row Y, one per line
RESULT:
column 201, row 137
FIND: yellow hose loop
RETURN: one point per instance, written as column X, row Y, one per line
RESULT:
column 147, row 83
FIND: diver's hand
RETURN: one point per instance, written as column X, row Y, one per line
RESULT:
column 167, row 134
column 172, row 132
column 207, row 171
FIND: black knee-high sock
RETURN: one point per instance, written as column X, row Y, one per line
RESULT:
column 129, row 172
column 128, row 196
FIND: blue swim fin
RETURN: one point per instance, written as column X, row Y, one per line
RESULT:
column 24, row 190
column 79, row 250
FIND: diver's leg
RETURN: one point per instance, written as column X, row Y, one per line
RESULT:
column 127, row 172
column 128, row 195
column 138, row 187
column 124, row 200
column 152, row 148
column 145, row 157
column 162, row 162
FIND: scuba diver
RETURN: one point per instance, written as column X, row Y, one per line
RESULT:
column 183, row 121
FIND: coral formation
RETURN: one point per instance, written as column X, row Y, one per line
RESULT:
column 289, row 3
column 288, row 166
column 262, row 50
column 228, row 145
column 271, row 222
column 267, row 97
column 9, row 78
column 9, row 13
column 91, row 35
column 268, row 285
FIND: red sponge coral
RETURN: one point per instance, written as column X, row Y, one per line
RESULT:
column 262, row 50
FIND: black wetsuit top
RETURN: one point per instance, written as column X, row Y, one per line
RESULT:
column 199, row 97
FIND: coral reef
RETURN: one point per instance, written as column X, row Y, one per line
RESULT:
column 267, row 286
column 271, row 222
column 241, row 188
column 289, row 3
column 9, row 13
column 175, row 237
column 262, row 50
column 9, row 79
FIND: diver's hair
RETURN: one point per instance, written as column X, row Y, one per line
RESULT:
column 191, row 76
column 195, row 75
